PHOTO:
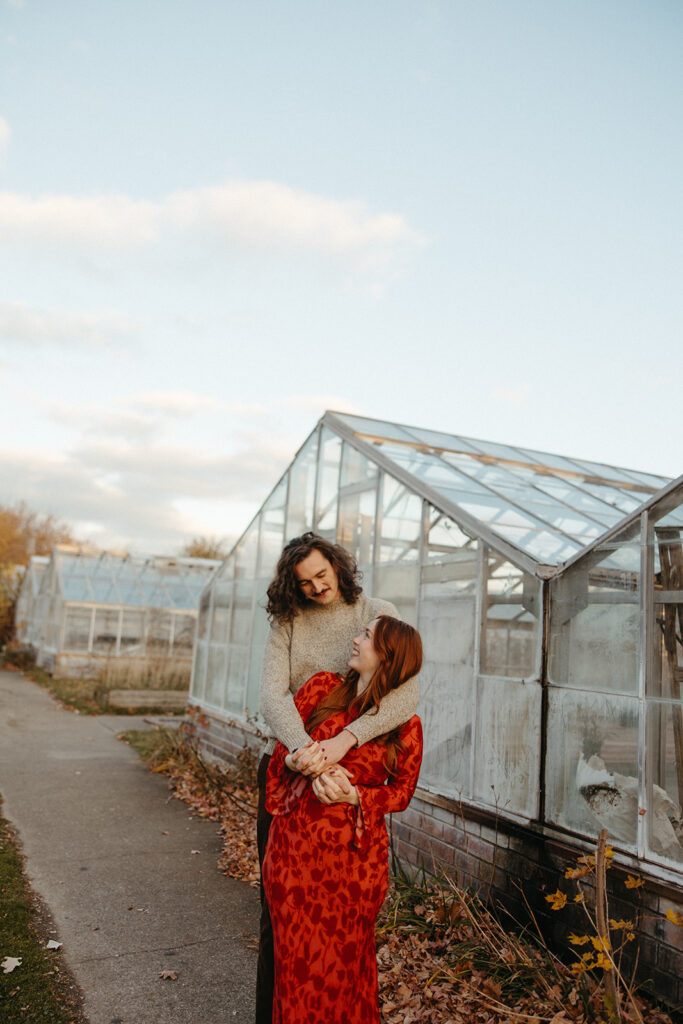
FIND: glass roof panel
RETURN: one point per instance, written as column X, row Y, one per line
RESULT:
column 376, row 428
column 133, row 580
column 549, row 506
column 437, row 439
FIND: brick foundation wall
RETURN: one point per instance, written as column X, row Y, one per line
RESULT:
column 498, row 857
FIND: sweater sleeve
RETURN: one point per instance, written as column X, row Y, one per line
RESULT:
column 276, row 702
column 394, row 709
column 395, row 795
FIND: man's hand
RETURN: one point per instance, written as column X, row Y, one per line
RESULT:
column 308, row 760
column 334, row 787
column 335, row 749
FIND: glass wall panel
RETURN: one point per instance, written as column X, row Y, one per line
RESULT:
column 204, row 615
column 158, row 633
column 399, row 523
column 447, row 623
column 302, row 489
column 242, row 612
column 356, row 469
column 258, row 639
column 510, row 620
column 592, row 763
column 132, row 634
column 246, row 552
column 237, row 679
column 183, row 634
column 328, row 485
column 665, row 682
column 222, row 607
column 106, row 631
column 595, row 618
column 199, row 672
column 665, row 779
column 357, row 524
column 214, row 692
column 77, row 629
column 272, row 532
column 507, row 749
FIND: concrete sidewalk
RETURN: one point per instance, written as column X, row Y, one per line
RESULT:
column 129, row 875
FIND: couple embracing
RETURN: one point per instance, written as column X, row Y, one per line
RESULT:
column 339, row 694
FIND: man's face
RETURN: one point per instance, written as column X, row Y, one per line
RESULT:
column 317, row 579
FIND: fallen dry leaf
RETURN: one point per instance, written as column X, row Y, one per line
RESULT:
column 53, row 944
column 9, row 964
column 169, row 975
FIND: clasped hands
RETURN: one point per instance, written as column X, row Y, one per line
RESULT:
column 330, row 781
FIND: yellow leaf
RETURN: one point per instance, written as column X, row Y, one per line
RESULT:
column 617, row 925
column 633, row 883
column 609, row 852
column 579, row 940
column 557, row 900
column 675, row 918
column 600, row 943
column 604, row 962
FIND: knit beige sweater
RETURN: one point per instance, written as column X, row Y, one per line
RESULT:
column 319, row 638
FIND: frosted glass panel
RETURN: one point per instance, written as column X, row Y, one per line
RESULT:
column 302, row 489
column 183, row 634
column 272, row 535
column 222, row 606
column 237, row 679
column 447, row 626
column 132, row 634
column 199, row 672
column 508, row 745
column 77, row 629
column 595, row 619
column 400, row 522
column 665, row 775
column 357, row 524
column 106, row 631
column 398, row 584
column 592, row 763
column 215, row 676
column 510, row 620
column 328, row 485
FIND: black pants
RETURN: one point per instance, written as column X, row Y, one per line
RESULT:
column 265, row 971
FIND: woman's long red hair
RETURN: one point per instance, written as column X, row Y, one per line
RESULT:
column 399, row 647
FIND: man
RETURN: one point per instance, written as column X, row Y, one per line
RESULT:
column 316, row 607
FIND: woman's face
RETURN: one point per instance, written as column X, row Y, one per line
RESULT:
column 365, row 659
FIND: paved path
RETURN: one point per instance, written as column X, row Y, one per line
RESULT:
column 101, row 836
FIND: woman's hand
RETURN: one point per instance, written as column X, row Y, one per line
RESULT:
column 333, row 787
column 338, row 747
column 309, row 760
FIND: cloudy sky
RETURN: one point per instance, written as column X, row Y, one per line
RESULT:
column 220, row 217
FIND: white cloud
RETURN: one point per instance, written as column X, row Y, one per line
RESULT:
column 16, row 5
column 4, row 137
column 265, row 214
column 100, row 221
column 122, row 484
column 21, row 324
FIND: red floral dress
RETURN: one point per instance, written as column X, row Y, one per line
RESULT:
column 326, row 873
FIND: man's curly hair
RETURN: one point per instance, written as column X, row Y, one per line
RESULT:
column 285, row 597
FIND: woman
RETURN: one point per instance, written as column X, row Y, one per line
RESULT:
column 326, row 866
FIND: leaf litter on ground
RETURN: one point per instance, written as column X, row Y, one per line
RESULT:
column 443, row 956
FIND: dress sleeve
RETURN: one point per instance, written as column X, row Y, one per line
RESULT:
column 394, row 709
column 395, row 794
column 276, row 702
column 283, row 786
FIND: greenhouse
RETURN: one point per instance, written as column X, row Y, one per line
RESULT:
column 124, row 615
column 548, row 592
column 25, row 617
